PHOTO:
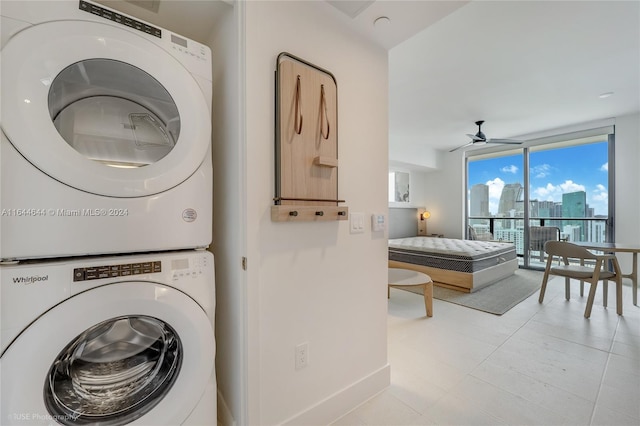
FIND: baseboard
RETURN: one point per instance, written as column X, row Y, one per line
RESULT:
column 340, row 403
column 225, row 418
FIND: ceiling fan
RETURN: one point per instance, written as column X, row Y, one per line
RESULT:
column 480, row 139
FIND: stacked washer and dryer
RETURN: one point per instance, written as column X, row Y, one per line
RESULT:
column 107, row 290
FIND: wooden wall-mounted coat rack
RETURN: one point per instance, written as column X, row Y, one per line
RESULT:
column 306, row 143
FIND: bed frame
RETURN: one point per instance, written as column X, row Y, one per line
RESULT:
column 462, row 281
column 403, row 223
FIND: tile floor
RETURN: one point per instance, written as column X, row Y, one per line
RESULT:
column 538, row 364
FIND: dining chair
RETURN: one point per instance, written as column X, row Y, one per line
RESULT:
column 573, row 259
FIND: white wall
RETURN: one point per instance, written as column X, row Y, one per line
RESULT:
column 444, row 197
column 315, row 282
column 228, row 222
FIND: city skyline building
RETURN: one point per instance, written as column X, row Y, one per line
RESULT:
column 479, row 200
column 574, row 205
column 551, row 213
column 508, row 199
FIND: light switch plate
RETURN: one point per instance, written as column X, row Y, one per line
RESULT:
column 356, row 223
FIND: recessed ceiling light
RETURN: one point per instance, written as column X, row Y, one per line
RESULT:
column 382, row 22
column 605, row 95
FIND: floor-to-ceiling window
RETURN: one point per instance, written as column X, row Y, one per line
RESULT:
column 559, row 189
column 495, row 196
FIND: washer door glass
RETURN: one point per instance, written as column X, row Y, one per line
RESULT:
column 114, row 113
column 114, row 372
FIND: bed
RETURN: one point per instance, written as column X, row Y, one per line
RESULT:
column 462, row 265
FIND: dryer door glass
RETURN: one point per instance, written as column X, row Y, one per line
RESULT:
column 114, row 372
column 114, row 113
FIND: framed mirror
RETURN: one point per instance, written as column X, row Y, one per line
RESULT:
column 399, row 187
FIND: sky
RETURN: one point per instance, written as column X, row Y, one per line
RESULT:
column 553, row 173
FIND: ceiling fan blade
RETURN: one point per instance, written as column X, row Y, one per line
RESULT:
column 460, row 147
column 474, row 137
column 505, row 141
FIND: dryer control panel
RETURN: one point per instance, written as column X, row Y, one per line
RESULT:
column 113, row 271
column 181, row 47
column 119, row 18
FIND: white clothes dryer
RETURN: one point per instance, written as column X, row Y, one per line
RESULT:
column 106, row 134
column 109, row 340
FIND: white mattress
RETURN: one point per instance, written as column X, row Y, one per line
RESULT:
column 451, row 254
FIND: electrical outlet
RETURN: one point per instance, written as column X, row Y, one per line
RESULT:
column 302, row 355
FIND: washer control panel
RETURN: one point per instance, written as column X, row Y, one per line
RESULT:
column 112, row 271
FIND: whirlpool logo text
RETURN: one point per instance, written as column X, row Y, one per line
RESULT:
column 30, row 280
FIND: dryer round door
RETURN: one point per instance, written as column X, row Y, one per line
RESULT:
column 133, row 352
column 102, row 109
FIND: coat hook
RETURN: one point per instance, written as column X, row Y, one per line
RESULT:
column 293, row 213
column 342, row 213
column 298, row 118
column 320, row 213
column 324, row 114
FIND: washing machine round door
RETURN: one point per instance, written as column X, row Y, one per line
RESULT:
column 133, row 352
column 102, row 109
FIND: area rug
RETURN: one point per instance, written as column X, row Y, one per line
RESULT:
column 495, row 298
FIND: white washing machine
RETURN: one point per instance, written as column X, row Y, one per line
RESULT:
column 106, row 133
column 109, row 340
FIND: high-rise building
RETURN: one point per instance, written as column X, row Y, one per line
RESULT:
column 574, row 205
column 596, row 231
column 546, row 209
column 514, row 235
column 534, row 208
column 509, row 205
column 479, row 200
column 573, row 233
column 508, row 198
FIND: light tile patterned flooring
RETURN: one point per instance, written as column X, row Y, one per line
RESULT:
column 538, row 364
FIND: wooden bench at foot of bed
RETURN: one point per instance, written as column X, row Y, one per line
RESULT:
column 462, row 281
